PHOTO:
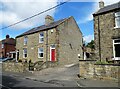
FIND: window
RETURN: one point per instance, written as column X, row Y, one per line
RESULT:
column 40, row 53
column 41, row 37
column 2, row 45
column 117, row 19
column 25, row 40
column 24, row 52
column 116, row 48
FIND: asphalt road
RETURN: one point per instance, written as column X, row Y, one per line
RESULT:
column 10, row 81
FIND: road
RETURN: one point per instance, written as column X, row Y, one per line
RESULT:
column 12, row 80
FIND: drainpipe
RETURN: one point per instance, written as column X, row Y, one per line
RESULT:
column 47, row 48
column 99, row 38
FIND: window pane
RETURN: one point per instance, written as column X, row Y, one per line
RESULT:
column 25, row 55
column 41, row 34
column 40, row 52
column 25, row 52
column 41, row 39
column 117, row 20
column 117, row 14
column 2, row 45
column 117, row 41
column 117, row 50
column 25, row 40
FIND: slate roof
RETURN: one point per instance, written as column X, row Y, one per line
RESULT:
column 43, row 27
column 10, row 41
column 108, row 8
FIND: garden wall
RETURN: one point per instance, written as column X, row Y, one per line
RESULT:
column 88, row 69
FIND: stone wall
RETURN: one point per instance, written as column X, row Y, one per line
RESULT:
column 33, row 45
column 104, row 32
column 14, row 67
column 88, row 69
column 70, row 42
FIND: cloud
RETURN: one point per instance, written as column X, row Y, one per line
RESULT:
column 95, row 8
column 88, row 38
column 16, row 10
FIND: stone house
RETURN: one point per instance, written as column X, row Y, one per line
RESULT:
column 7, row 47
column 56, row 41
column 107, row 32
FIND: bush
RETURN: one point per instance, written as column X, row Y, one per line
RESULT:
column 19, row 60
column 101, row 62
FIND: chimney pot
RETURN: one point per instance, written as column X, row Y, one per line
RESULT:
column 101, row 4
column 7, row 36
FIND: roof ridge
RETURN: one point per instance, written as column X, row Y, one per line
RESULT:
column 108, row 8
column 44, row 27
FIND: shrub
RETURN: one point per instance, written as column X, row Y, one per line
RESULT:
column 101, row 62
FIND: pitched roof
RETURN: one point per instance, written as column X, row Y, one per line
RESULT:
column 108, row 8
column 10, row 41
column 43, row 27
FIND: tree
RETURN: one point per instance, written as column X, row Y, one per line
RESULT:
column 91, row 44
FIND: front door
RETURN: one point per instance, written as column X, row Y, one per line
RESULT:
column 52, row 54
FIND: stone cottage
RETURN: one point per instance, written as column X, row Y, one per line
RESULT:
column 107, row 32
column 56, row 41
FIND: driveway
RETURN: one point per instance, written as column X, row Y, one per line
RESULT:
column 60, row 76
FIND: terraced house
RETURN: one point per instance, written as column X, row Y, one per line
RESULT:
column 107, row 32
column 56, row 41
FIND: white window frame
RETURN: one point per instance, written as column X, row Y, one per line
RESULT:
column 117, row 17
column 40, row 52
column 41, row 37
column 24, row 53
column 2, row 46
column 25, row 40
column 115, row 58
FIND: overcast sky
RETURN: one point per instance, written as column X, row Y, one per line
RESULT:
column 12, row 11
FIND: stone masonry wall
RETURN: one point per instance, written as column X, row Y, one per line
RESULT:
column 95, row 71
column 67, row 39
column 14, row 67
column 107, row 29
column 33, row 45
column 70, row 42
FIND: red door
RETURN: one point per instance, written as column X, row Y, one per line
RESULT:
column 52, row 54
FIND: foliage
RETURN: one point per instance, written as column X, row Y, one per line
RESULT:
column 91, row 44
column 19, row 60
column 101, row 62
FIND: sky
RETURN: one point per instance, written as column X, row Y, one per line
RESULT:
column 12, row 11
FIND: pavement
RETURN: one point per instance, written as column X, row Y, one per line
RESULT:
column 88, row 83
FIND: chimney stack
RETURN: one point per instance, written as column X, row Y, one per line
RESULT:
column 48, row 19
column 101, row 4
column 7, row 36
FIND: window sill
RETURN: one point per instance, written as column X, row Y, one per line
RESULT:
column 40, row 57
column 116, row 58
column 116, row 27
